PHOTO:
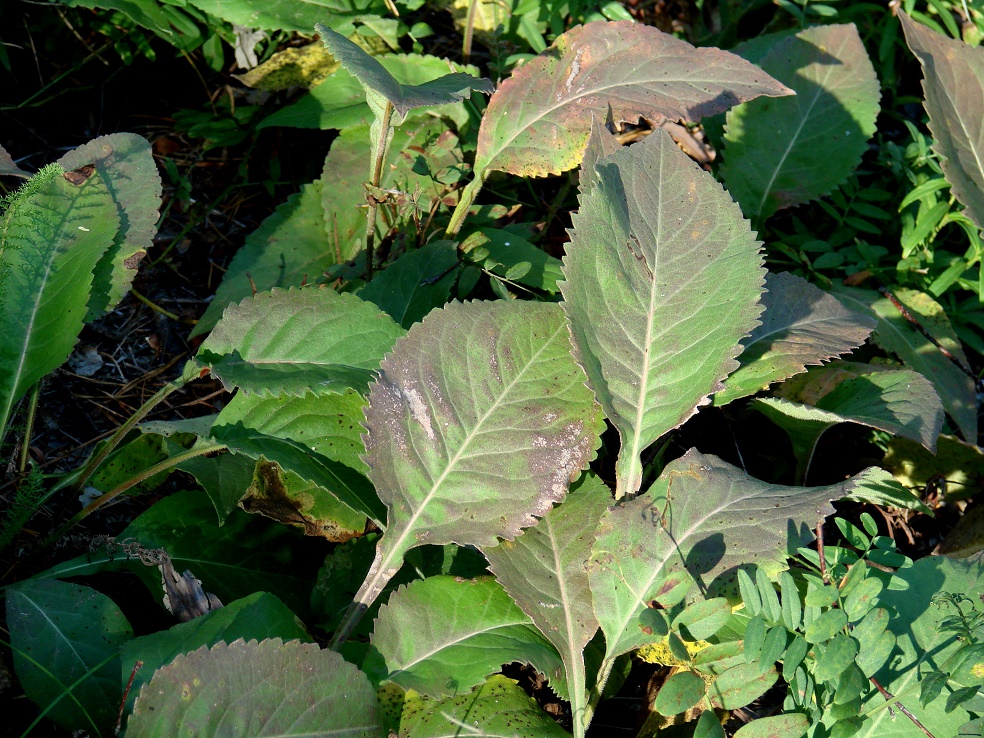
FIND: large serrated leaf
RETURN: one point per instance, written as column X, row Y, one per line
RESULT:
column 476, row 425
column 538, row 121
column 450, row 88
column 663, row 280
column 497, row 709
column 781, row 153
column 897, row 335
column 258, row 616
column 953, row 82
column 543, row 570
column 63, row 633
column 52, row 234
column 405, row 290
column 126, row 163
column 297, row 341
column 291, row 15
column 270, row 688
column 801, row 326
column 444, row 635
column 702, row 518
column 292, row 244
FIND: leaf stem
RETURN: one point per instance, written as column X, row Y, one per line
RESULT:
column 376, row 580
column 465, row 202
column 377, row 176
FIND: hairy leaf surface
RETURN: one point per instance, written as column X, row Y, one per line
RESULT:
column 897, row 335
column 298, row 340
column 953, row 82
column 663, row 281
column 702, row 519
column 801, row 326
column 538, row 121
column 269, row 688
column 52, row 235
column 785, row 152
column 61, row 633
column 444, row 635
column 126, row 164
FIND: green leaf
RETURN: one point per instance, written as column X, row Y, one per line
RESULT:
column 884, row 489
column 258, row 616
column 297, row 341
column 896, row 335
column 291, row 15
column 862, row 598
column 657, row 239
column 450, row 88
column 961, row 464
column 444, row 635
column 838, row 656
column 509, row 250
column 543, row 570
column 825, row 627
column 792, row 725
column 717, row 518
column 701, row 620
column 225, row 479
column 479, row 403
column 876, row 643
column 708, row 726
column 270, row 688
column 405, row 290
column 65, row 640
column 774, row 646
column 801, row 326
column 126, row 164
column 680, row 692
column 497, row 708
column 754, row 638
column 538, row 121
column 784, row 152
column 740, row 685
column 953, row 75
column 52, row 235
column 792, row 609
column 288, row 247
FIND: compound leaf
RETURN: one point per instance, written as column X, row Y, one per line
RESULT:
column 297, row 341
column 443, row 635
column 126, row 164
column 953, row 82
column 784, row 152
column 663, row 280
column 539, row 119
column 802, row 325
column 270, row 688
column 702, row 519
column 63, row 633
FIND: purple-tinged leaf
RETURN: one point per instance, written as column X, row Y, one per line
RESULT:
column 8, row 168
column 953, row 81
column 663, row 281
column 538, row 121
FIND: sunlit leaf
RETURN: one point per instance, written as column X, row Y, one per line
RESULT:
column 960, row 464
column 538, row 121
column 269, row 688
column 663, row 280
column 788, row 151
column 298, row 341
column 444, row 635
column 801, row 326
column 291, row 15
column 953, row 81
column 63, row 633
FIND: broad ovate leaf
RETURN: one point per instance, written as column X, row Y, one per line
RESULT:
column 443, row 635
column 287, row 249
column 701, row 520
column 53, row 232
column 476, row 425
column 126, row 163
column 663, row 281
column 953, row 82
column 544, row 571
column 65, row 641
column 377, row 80
column 801, row 326
column 297, row 341
column 267, row 688
column 785, row 152
column 297, row 15
column 416, row 283
column 896, row 334
column 539, row 119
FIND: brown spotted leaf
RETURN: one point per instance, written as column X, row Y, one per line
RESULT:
column 953, row 81
column 538, row 121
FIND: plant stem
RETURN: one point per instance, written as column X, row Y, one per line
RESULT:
column 377, row 176
column 468, row 196
column 466, row 45
column 32, row 408
column 120, row 434
column 376, row 580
